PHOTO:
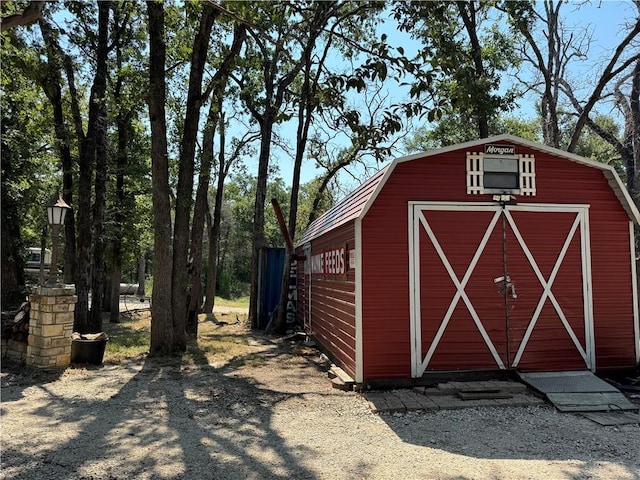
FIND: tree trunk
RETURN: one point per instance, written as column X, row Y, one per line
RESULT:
column 69, row 254
column 123, row 129
column 325, row 184
column 468, row 13
column 217, row 87
column 212, row 263
column 180, row 287
column 71, row 238
column 52, row 86
column 214, row 224
column 85, row 323
column 274, row 94
column 81, row 323
column 114, row 307
column 304, row 122
column 197, row 231
column 10, row 246
column 549, row 69
column 100, row 188
column 30, row 14
column 161, row 321
column 106, row 284
column 554, row 66
column 216, row 117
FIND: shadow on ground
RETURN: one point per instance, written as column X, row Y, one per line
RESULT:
column 524, row 433
column 202, row 422
column 167, row 419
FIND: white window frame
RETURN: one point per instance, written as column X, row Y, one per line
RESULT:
column 526, row 171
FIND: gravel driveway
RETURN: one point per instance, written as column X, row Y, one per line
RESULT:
column 273, row 414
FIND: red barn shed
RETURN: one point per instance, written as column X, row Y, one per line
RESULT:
column 498, row 253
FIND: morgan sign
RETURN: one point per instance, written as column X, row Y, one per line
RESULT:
column 500, row 149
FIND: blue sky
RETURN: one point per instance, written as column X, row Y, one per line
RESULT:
column 606, row 20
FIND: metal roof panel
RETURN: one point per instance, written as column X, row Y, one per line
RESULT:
column 347, row 209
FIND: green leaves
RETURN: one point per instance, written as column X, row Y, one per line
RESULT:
column 468, row 53
column 434, row 114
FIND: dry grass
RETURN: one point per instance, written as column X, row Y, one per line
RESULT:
column 222, row 338
column 236, row 302
column 128, row 339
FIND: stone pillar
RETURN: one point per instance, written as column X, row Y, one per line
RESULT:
column 51, row 326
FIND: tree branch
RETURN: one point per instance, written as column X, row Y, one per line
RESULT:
column 606, row 76
column 31, row 14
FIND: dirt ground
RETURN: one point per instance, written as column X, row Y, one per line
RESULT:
column 271, row 413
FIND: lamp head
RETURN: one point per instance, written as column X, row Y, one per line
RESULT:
column 57, row 211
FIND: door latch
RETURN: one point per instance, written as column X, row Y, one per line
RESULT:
column 506, row 285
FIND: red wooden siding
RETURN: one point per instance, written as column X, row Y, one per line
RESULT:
column 489, row 329
column 612, row 294
column 549, row 347
column 333, row 302
column 461, row 347
column 610, row 255
column 441, row 178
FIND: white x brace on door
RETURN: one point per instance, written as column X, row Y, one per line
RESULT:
column 454, row 248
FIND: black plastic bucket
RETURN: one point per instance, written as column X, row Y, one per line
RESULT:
column 88, row 351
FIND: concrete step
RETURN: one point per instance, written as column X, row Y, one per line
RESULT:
column 453, row 388
column 483, row 394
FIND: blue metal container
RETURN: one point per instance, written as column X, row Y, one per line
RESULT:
column 270, row 268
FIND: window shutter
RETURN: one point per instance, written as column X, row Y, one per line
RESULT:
column 475, row 173
column 527, row 175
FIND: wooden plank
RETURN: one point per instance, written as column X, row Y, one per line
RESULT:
column 480, row 390
column 395, row 404
column 340, row 385
column 342, row 375
column 427, row 403
column 511, row 387
column 449, row 402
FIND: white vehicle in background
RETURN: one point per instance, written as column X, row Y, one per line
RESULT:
column 32, row 271
column 35, row 258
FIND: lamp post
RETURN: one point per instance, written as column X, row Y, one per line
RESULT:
column 56, row 213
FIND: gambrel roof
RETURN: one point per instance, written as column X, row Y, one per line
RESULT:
column 356, row 204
